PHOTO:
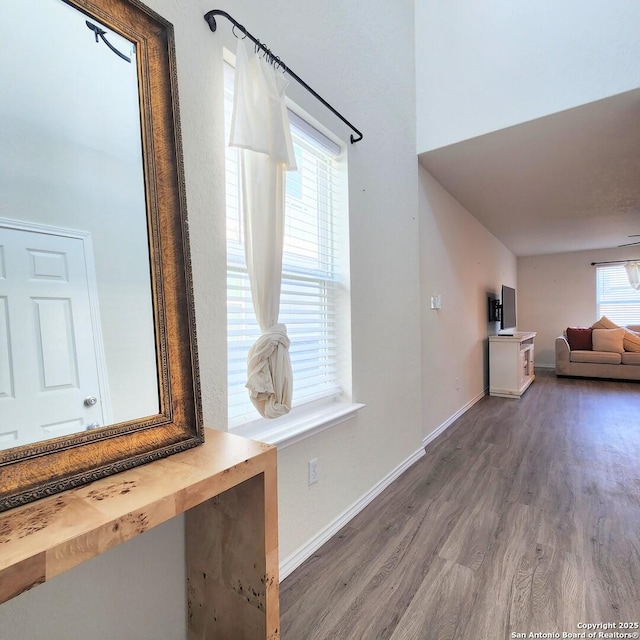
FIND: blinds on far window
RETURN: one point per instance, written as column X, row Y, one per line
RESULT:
column 616, row 298
column 310, row 278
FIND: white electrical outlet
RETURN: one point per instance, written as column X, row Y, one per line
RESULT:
column 313, row 471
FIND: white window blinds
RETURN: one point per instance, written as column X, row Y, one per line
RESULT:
column 311, row 283
column 615, row 297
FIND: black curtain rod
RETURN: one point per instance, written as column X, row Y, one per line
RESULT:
column 593, row 264
column 210, row 17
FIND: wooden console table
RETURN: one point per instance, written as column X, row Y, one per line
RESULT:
column 227, row 490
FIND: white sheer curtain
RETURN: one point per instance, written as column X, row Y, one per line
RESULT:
column 260, row 127
column 633, row 273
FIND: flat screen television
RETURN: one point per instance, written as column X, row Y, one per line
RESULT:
column 504, row 310
column 508, row 308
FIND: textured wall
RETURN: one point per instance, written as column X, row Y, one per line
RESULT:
column 131, row 592
column 483, row 66
column 463, row 262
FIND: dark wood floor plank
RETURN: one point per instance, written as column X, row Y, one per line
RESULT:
column 471, row 538
column 438, row 607
column 383, row 614
column 524, row 516
column 400, row 569
column 502, row 601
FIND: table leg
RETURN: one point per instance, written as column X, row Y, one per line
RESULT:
column 232, row 563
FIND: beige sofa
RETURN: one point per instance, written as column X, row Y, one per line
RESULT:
column 597, row 364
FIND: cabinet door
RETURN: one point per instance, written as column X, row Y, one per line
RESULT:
column 522, row 369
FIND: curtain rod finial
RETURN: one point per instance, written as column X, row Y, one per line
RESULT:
column 211, row 20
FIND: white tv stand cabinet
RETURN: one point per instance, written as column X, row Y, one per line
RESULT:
column 511, row 364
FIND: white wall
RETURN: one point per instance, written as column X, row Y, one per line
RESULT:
column 559, row 291
column 343, row 54
column 463, row 262
column 132, row 591
column 483, row 66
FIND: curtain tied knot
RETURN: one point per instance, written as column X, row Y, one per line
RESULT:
column 269, row 372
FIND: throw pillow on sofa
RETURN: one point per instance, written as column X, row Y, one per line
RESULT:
column 631, row 340
column 611, row 340
column 605, row 323
column 579, row 338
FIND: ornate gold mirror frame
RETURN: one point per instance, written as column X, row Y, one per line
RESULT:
column 36, row 470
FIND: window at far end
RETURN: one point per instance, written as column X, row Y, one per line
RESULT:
column 615, row 297
column 314, row 299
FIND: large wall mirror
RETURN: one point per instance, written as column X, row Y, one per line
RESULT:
column 98, row 369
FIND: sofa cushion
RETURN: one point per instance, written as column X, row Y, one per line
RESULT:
column 631, row 358
column 608, row 340
column 580, row 338
column 596, row 357
column 633, row 327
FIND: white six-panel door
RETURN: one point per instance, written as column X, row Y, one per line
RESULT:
column 48, row 362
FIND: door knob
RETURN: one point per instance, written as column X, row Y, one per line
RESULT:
column 90, row 401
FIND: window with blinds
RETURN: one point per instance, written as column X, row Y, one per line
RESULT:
column 311, row 278
column 615, row 297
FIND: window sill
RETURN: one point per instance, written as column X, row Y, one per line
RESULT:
column 299, row 424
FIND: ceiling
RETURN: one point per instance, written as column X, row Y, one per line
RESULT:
column 566, row 182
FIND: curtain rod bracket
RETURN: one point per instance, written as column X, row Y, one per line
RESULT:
column 210, row 18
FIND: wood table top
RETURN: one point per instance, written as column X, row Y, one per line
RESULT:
column 45, row 538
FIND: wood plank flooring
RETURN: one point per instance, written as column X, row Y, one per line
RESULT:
column 524, row 516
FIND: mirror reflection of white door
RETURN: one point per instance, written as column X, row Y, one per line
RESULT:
column 52, row 374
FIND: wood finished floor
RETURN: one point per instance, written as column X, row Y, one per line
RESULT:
column 524, row 516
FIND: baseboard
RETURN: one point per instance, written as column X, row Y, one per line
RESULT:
column 434, row 434
column 292, row 562
column 544, row 366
